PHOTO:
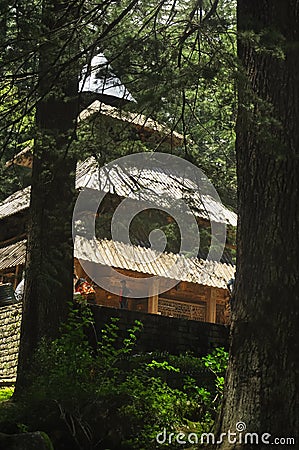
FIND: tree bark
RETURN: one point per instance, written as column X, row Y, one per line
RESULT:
column 49, row 269
column 3, row 22
column 262, row 378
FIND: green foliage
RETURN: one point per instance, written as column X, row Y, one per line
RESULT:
column 216, row 362
column 181, row 67
column 15, row 130
column 6, row 393
column 177, row 59
column 109, row 396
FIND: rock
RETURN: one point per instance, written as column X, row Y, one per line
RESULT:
column 25, row 441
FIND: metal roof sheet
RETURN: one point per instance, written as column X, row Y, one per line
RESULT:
column 135, row 258
column 97, row 77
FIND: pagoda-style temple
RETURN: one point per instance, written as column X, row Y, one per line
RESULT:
column 200, row 286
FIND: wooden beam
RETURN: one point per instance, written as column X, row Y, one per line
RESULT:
column 211, row 305
column 153, row 297
column 16, row 280
column 13, row 240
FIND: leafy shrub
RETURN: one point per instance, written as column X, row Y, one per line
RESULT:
column 110, row 398
column 5, row 393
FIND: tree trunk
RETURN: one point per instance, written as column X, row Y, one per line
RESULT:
column 3, row 23
column 49, row 269
column 262, row 378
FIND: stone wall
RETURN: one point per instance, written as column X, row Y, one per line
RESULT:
column 10, row 323
column 159, row 334
column 164, row 333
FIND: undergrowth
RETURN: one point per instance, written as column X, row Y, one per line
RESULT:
column 111, row 397
column 6, row 393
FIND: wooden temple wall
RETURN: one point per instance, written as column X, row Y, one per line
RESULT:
column 186, row 300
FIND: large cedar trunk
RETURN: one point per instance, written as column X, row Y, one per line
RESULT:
column 49, row 268
column 3, row 23
column 262, row 379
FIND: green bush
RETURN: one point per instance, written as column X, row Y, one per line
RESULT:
column 109, row 397
column 6, row 393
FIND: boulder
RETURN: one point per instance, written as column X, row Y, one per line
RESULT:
column 25, row 441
